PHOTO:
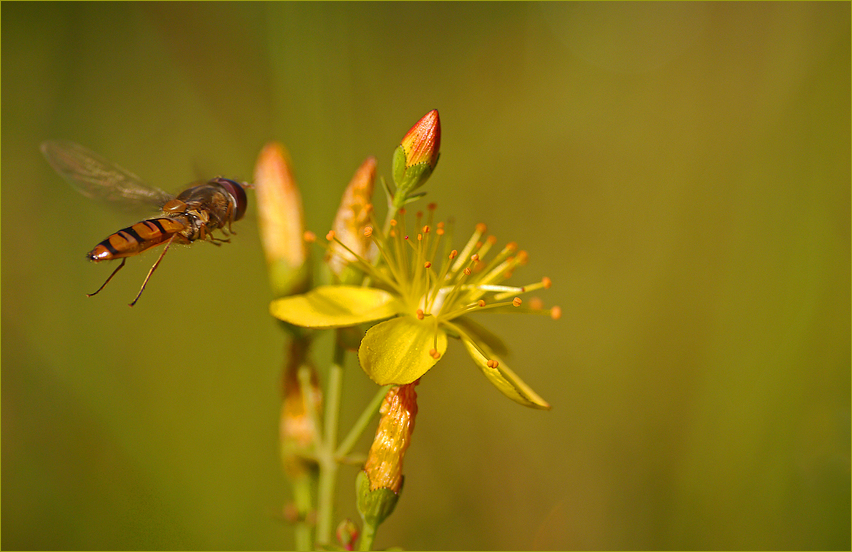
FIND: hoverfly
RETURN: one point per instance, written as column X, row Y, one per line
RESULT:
column 191, row 215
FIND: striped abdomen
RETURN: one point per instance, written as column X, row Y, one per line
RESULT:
column 137, row 238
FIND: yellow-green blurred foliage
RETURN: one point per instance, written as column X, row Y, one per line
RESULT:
column 681, row 172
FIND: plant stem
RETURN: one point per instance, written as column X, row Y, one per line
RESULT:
column 357, row 430
column 327, row 461
column 303, row 499
column 369, row 533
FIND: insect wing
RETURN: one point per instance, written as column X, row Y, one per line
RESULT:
column 96, row 178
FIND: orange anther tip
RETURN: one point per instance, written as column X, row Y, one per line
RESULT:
column 434, row 354
column 516, row 301
column 546, row 282
column 492, row 363
column 330, row 235
column 432, row 206
column 481, row 228
column 466, row 271
column 368, row 231
column 481, row 302
column 427, row 264
column 419, row 314
column 556, row 313
column 309, row 236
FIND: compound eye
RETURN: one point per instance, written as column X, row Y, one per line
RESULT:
column 238, row 193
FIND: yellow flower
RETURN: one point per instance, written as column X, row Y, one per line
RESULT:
column 427, row 293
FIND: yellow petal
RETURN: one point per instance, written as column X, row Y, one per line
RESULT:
column 502, row 377
column 335, row 307
column 481, row 334
column 397, row 351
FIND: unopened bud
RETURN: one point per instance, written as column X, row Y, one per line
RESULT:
column 298, row 428
column 353, row 216
column 347, row 533
column 380, row 482
column 416, row 157
column 281, row 221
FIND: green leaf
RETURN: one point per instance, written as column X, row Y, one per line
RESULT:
column 335, row 307
column 397, row 351
column 502, row 377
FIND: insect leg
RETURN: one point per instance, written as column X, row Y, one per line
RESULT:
column 153, row 268
column 108, row 279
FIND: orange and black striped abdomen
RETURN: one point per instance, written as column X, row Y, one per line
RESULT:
column 136, row 239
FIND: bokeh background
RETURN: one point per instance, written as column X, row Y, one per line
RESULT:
column 680, row 171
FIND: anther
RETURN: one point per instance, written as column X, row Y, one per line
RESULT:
column 419, row 314
column 368, row 231
column 555, row 313
column 492, row 363
column 546, row 282
column 309, row 236
column 427, row 264
column 481, row 302
column 516, row 301
column 453, row 254
column 330, row 235
column 466, row 271
column 481, row 228
column 474, row 257
column 434, row 354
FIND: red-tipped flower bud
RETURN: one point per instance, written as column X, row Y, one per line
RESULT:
column 416, row 157
column 422, row 144
column 347, row 533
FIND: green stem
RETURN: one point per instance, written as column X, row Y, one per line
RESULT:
column 327, row 461
column 303, row 499
column 361, row 424
column 369, row 533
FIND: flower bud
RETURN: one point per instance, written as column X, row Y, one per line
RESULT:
column 347, row 533
column 416, row 157
column 352, row 216
column 380, row 482
column 298, row 428
column 281, row 221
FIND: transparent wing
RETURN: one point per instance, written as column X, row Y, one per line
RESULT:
column 96, row 178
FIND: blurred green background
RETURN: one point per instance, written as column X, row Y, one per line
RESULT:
column 681, row 172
